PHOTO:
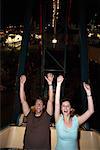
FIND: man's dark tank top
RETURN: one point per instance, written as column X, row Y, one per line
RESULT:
column 37, row 134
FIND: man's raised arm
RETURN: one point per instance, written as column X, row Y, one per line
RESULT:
column 24, row 103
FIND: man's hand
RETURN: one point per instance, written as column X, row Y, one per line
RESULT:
column 49, row 78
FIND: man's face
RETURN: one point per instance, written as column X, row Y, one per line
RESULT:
column 39, row 106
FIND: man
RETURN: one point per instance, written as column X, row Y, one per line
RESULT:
column 37, row 134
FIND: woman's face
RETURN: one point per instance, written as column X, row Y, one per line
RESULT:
column 66, row 108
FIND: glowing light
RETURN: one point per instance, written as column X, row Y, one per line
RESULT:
column 38, row 36
column 14, row 40
column 55, row 11
column 90, row 34
column 98, row 35
column 54, row 40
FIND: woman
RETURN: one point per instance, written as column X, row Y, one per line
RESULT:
column 66, row 124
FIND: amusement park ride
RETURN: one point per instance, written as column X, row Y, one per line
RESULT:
column 55, row 27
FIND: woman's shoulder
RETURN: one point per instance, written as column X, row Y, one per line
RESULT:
column 60, row 119
column 75, row 119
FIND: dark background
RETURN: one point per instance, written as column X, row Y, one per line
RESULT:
column 13, row 11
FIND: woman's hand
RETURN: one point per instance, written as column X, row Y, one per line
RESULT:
column 22, row 79
column 87, row 88
column 60, row 79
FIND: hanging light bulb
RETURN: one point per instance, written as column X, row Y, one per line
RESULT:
column 54, row 40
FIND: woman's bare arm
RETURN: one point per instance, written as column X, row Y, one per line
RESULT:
column 57, row 97
column 90, row 109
